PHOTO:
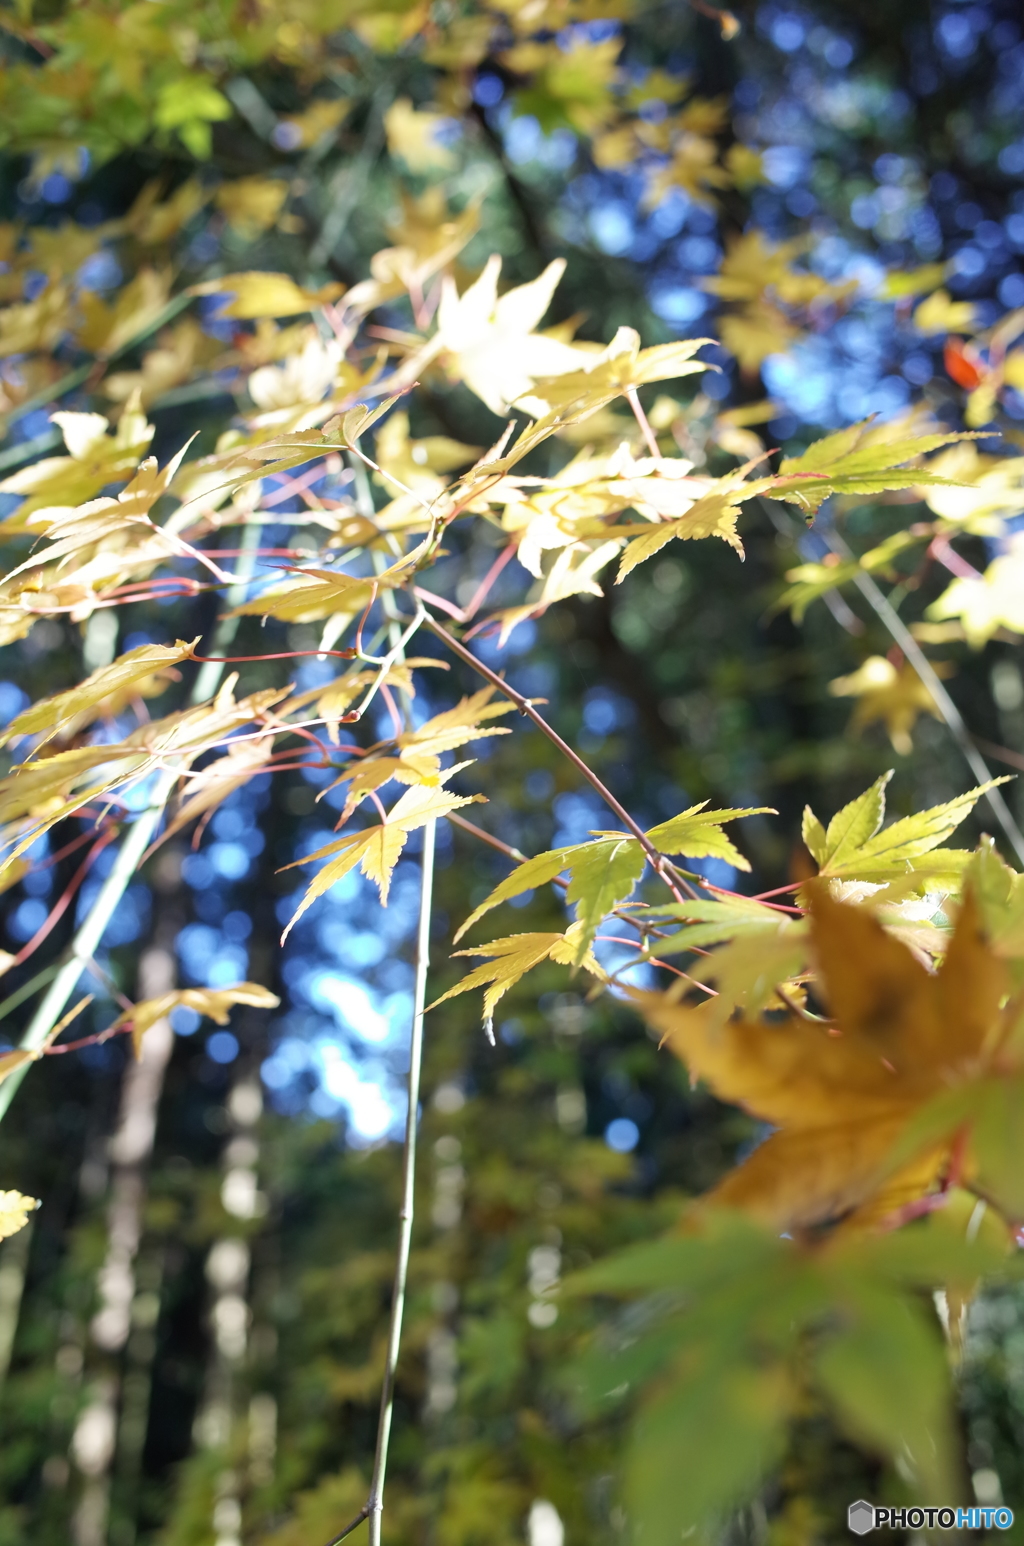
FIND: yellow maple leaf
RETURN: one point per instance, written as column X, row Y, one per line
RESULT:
column 153, row 223
column 513, row 958
column 988, row 602
column 106, row 328
column 417, row 463
column 216, row 1003
column 694, row 167
column 251, row 204
column 417, row 755
column 893, row 694
column 715, row 515
column 413, row 135
column 899, row 283
column 753, row 263
column 315, row 594
column 616, row 147
column 576, row 79
column 981, row 490
column 97, row 544
column 657, row 86
column 614, row 371
column 15, row 1208
column 51, row 788
column 941, row 314
column 427, row 238
column 95, row 459
column 182, row 351
column 142, row 672
column 36, row 324
column 857, row 847
column 758, row 276
column 300, row 130
column 44, row 788
column 490, row 339
column 377, row 849
column 755, row 332
column 745, row 166
column 385, row 31
column 303, row 378
column 63, row 249
column 257, row 294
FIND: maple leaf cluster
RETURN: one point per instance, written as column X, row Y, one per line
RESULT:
column 871, row 1022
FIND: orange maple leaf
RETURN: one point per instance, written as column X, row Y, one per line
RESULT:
column 841, row 1093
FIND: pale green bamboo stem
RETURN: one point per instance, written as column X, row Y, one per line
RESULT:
column 375, row 1502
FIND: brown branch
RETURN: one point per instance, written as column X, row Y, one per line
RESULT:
column 362, row 1514
column 526, row 707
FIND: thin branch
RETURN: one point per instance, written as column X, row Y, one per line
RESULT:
column 356, row 1522
column 642, row 420
column 374, row 1506
column 943, row 702
column 1000, row 753
column 11, row 1002
column 235, row 660
column 395, row 653
column 480, row 594
column 292, row 484
column 526, row 707
column 64, row 901
column 887, row 614
column 492, row 842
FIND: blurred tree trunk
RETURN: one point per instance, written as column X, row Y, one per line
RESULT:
column 95, row 1440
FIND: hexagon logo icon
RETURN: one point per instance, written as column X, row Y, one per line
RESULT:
column 860, row 1517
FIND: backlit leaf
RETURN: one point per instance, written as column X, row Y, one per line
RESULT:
column 604, row 872
column 514, row 957
column 111, row 685
column 216, row 1003
column 15, row 1208
column 841, row 1102
column 377, row 849
column 258, row 294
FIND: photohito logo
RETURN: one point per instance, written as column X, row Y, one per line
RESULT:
column 863, row 1517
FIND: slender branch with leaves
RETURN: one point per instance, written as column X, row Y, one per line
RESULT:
column 867, row 1012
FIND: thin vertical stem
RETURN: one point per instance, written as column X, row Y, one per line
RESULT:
column 887, row 613
column 375, row 1503
column 374, row 1507
column 642, row 420
column 87, row 940
column 898, row 630
column 348, row 187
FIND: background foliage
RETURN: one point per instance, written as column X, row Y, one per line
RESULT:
column 837, row 198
